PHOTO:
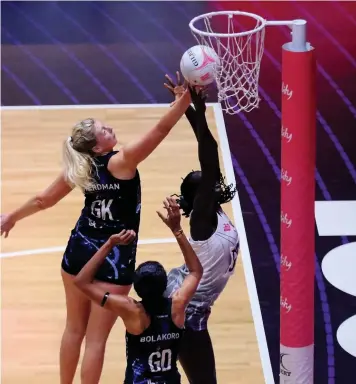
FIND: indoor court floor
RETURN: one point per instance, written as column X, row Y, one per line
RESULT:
column 33, row 307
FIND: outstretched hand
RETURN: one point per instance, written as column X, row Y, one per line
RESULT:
column 176, row 88
column 125, row 237
column 6, row 224
column 172, row 220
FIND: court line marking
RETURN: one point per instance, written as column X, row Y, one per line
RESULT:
column 245, row 251
column 38, row 251
column 87, row 106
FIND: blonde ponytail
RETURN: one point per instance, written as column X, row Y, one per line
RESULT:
column 78, row 156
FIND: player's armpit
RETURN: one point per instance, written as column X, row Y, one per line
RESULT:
column 132, row 313
column 124, row 306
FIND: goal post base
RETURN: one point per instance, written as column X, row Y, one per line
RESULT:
column 296, row 365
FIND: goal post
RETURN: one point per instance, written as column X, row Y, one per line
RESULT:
column 237, row 78
column 297, row 242
column 297, row 215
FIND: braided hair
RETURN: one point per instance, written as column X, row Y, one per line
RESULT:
column 189, row 187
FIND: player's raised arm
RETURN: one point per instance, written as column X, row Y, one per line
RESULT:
column 138, row 150
column 177, row 89
column 184, row 294
column 43, row 200
column 121, row 304
column 203, row 216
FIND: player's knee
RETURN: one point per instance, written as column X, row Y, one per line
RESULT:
column 75, row 331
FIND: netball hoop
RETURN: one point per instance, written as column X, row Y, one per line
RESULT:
column 237, row 76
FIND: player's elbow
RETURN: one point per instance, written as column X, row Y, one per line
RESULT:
column 80, row 284
column 198, row 272
column 43, row 202
column 208, row 144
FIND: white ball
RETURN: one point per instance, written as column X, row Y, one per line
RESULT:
column 197, row 65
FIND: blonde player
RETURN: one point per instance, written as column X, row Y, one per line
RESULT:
column 111, row 185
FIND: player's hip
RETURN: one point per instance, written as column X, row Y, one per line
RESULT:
column 102, row 229
column 117, row 268
column 199, row 309
column 196, row 317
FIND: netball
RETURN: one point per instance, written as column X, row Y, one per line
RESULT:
column 198, row 64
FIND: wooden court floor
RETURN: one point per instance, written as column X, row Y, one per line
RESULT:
column 33, row 307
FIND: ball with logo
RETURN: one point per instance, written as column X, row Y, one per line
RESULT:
column 198, row 65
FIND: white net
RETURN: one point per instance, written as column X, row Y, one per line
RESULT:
column 240, row 49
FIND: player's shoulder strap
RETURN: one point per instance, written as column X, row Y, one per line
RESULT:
column 105, row 158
